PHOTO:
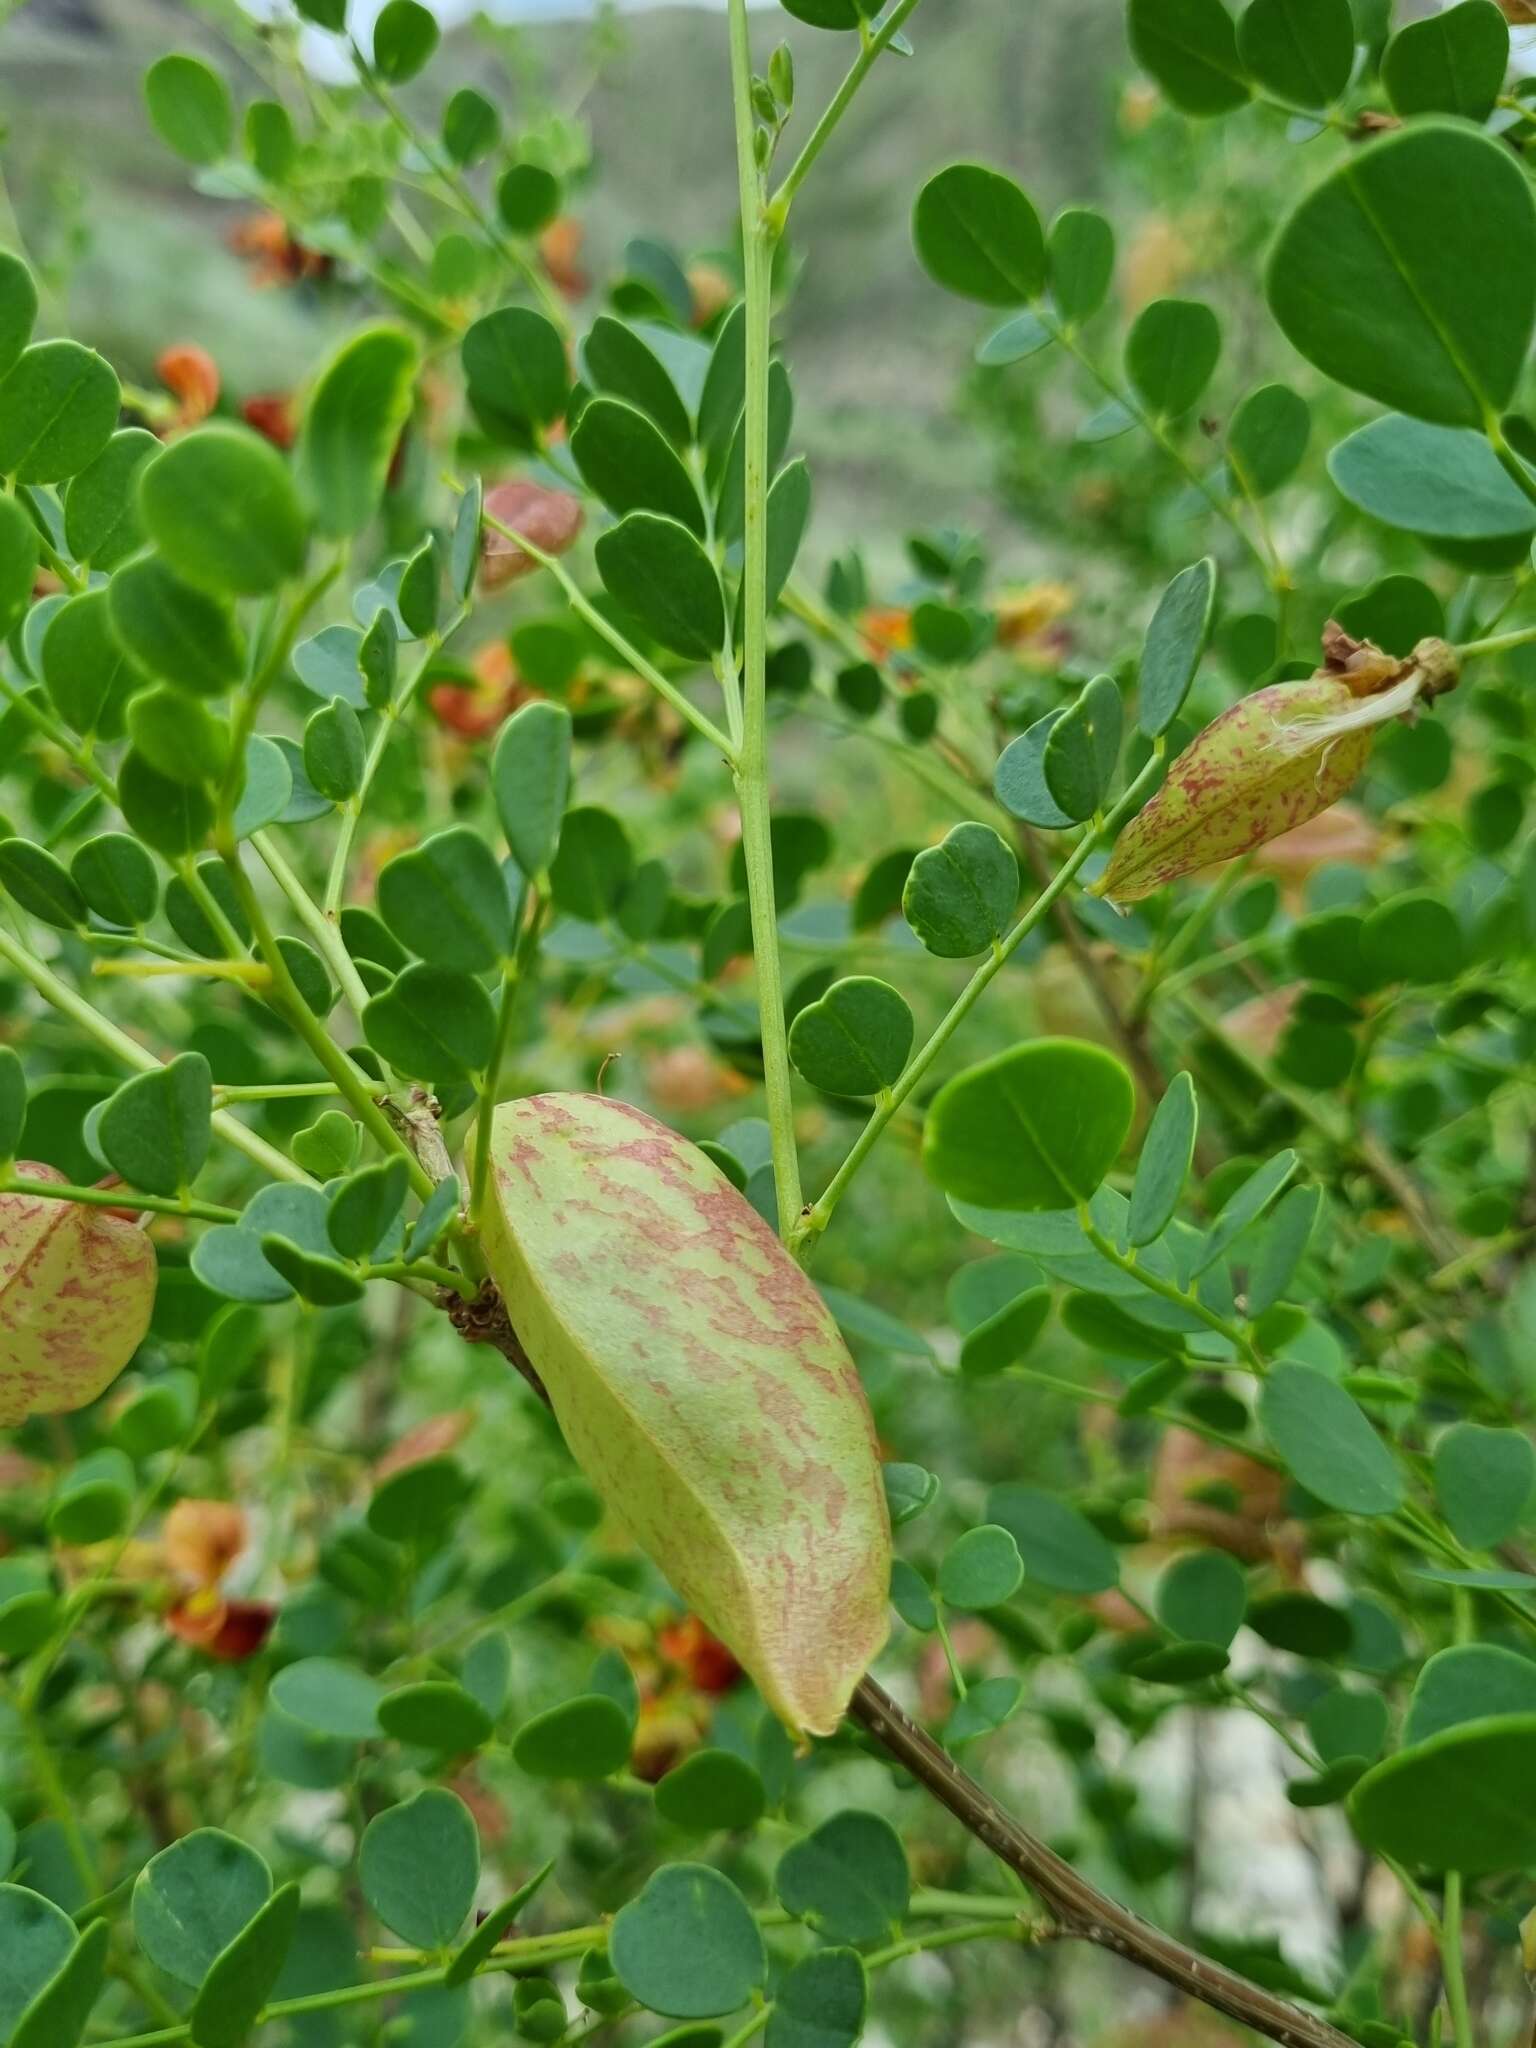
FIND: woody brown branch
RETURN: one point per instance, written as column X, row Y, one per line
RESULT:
column 1080, row 1911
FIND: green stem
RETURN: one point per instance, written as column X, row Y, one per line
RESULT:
column 630, row 655
column 350, row 1080
column 132, row 1054
column 1185, row 1298
column 1452, row 1963
column 514, row 973
column 819, row 1214
column 873, row 47
column 327, row 938
column 118, row 1198
column 1496, row 643
column 751, row 767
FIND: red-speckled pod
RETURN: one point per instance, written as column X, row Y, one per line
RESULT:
column 77, row 1285
column 701, row 1384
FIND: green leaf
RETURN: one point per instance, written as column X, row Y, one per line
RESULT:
column 221, row 507
column 365, row 1207
column 1268, row 434
column 1082, row 263
column 448, row 901
column 58, row 407
column 627, row 460
column 1274, row 1259
column 1327, row 1443
column 190, row 107
column 592, row 865
column 493, row 1928
column 404, row 38
column 1484, row 1479
column 1244, row 1206
column 911, row 1597
column 978, row 235
column 908, row 1490
column 527, row 198
column 848, row 1878
column 621, row 362
column 432, row 1024
column 13, row 1115
column 1190, row 49
column 1347, row 1723
column 101, row 505
column 1299, row 50
column 1175, row 643
column 1166, row 1155
column 174, row 818
column 1059, row 1545
column 1416, row 937
column 182, row 635
column 1171, row 354
column 356, row 414
column 267, row 789
column 271, row 140
column 1455, row 1802
column 1025, row 334
column 328, row 1146
column 1036, row 1127
column 37, row 883
column 531, row 780
column 471, row 126
column 1451, row 63
column 687, row 1946
column 981, row 1569
column 1202, row 1597
column 37, row 1941
column 1002, row 1338
column 960, row 896
column 417, row 1505
column 178, row 736
column 194, row 1898
column 329, row 1698
column 419, row 1865
column 244, row 1975
column 515, row 369
column 1432, row 231
column 660, row 574
column 155, row 1130
column 18, row 308
column 789, row 514
column 18, row 563
column 429, row 1226
column 436, row 1715
column 1442, row 481
column 585, row 1737
column 58, row 2015
column 334, row 750
column 711, row 1790
column 1082, row 748
column 855, row 1040
column 1019, row 781
column 820, row 2002
column 1468, row 1682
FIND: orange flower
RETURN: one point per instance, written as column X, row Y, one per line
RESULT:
column 887, row 630
column 273, row 255
column 706, row 1662
column 202, row 1538
column 476, row 708
column 1026, row 614
column 272, row 415
column 228, row 1630
column 433, row 1438
column 711, row 289
column 559, row 248
column 191, row 375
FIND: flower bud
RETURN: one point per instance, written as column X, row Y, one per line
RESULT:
column 77, row 1285
column 702, row 1386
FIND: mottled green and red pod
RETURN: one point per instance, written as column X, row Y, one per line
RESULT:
column 77, row 1285
column 702, row 1386
column 1274, row 760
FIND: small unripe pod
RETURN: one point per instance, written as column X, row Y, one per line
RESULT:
column 552, row 520
column 702, row 1386
column 77, row 1285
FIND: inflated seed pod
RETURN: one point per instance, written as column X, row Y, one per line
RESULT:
column 1271, row 762
column 702, row 1386
column 77, row 1285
